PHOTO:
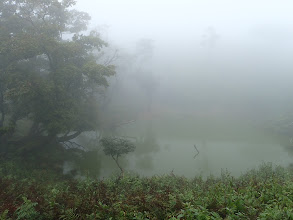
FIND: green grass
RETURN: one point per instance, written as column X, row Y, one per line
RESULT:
column 263, row 193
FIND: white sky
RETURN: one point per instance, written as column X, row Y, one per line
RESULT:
column 252, row 58
column 130, row 20
column 256, row 36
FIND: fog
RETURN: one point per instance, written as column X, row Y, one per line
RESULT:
column 215, row 74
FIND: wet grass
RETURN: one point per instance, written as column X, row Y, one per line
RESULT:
column 263, row 193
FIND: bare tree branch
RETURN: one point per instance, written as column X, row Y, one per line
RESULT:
column 72, row 144
column 68, row 137
column 197, row 152
column 109, row 60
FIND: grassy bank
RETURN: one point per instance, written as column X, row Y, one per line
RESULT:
column 264, row 193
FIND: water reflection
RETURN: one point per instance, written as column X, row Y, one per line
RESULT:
column 237, row 157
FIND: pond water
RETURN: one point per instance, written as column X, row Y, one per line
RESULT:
column 177, row 156
column 166, row 145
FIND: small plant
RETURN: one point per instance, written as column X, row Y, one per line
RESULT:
column 115, row 147
column 70, row 215
column 263, row 193
column 27, row 210
column 4, row 215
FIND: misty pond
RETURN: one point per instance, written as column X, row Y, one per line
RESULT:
column 214, row 153
column 214, row 157
column 91, row 91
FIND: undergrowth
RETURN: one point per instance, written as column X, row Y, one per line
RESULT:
column 263, row 193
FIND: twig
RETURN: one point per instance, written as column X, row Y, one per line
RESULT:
column 172, row 173
column 72, row 145
column 197, row 152
column 109, row 60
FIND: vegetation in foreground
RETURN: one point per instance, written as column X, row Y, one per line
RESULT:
column 264, row 193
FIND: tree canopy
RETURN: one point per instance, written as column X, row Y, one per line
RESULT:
column 50, row 75
column 116, row 147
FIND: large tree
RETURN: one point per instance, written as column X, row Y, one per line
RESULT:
column 49, row 73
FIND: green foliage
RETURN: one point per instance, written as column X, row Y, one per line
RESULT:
column 6, row 130
column 4, row 215
column 114, row 146
column 51, row 81
column 27, row 210
column 70, row 215
column 48, row 82
column 264, row 193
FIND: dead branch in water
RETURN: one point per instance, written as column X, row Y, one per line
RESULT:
column 197, row 152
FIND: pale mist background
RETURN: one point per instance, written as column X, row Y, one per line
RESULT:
column 215, row 74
